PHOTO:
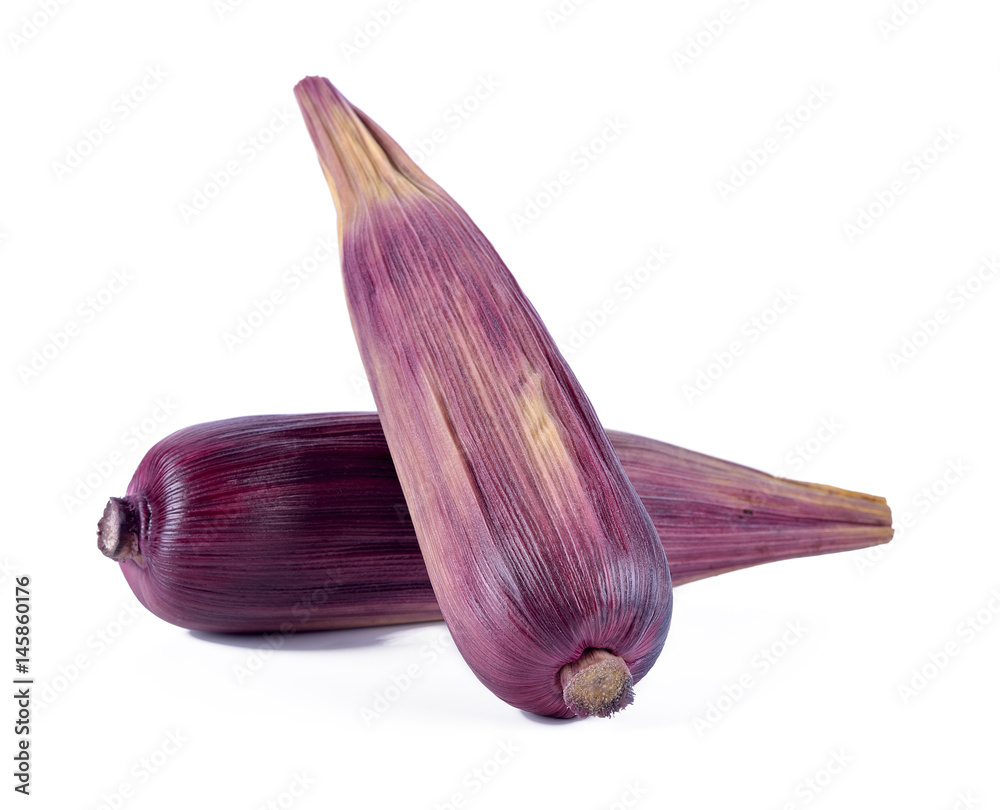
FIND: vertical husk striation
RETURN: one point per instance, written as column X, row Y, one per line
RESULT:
column 536, row 544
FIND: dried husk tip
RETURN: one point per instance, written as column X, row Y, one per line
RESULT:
column 598, row 684
column 119, row 529
column 360, row 162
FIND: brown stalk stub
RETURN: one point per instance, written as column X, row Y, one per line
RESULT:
column 597, row 684
column 118, row 531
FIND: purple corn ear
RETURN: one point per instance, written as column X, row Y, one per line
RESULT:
column 270, row 523
column 297, row 523
column 538, row 548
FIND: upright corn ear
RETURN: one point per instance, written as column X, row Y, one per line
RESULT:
column 546, row 567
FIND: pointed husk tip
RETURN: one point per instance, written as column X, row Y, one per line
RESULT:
column 361, row 163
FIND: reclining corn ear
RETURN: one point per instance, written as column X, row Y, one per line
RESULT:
column 291, row 523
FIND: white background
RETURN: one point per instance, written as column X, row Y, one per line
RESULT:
column 114, row 691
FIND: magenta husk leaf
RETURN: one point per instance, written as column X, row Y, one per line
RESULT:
column 535, row 541
column 292, row 523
